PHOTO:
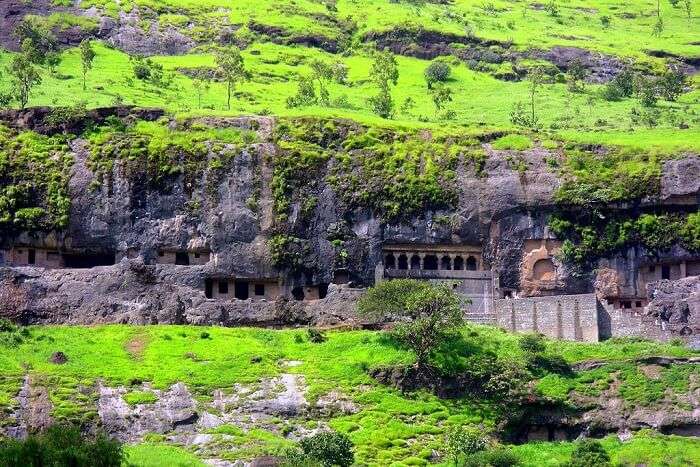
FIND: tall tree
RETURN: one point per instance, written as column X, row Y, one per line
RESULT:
column 24, row 77
column 201, row 83
column 87, row 56
column 384, row 72
column 231, row 69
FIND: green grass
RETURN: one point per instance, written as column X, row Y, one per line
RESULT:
column 158, row 455
column 479, row 100
column 390, row 427
column 646, row 448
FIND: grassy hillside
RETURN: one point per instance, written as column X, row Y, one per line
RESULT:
column 391, row 428
column 275, row 37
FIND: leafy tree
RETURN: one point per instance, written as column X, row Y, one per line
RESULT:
column 384, row 72
column 322, row 73
column 407, row 105
column 87, row 56
column 39, row 40
column 306, row 93
column 621, row 86
column 575, row 76
column 519, row 115
column 61, row 446
column 24, row 77
column 672, row 83
column 329, row 448
column 441, row 95
column 647, row 91
column 53, row 59
column 437, row 72
column 464, row 440
column 201, row 82
column 426, row 315
column 532, row 344
column 231, row 69
column 589, row 453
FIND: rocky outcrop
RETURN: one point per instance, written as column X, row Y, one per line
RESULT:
column 676, row 303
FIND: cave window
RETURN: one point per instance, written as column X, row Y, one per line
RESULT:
column 471, row 264
column 627, row 304
column 182, row 258
column 446, row 262
column 197, row 255
column 665, row 271
column 298, row 293
column 161, row 253
column 508, row 294
column 390, row 261
column 459, row 263
column 223, row 287
column 638, row 304
column 544, row 270
column 415, row 262
column 403, row 262
column 208, row 288
column 240, row 290
column 259, row 289
column 430, row 262
column 32, row 256
column 322, row 291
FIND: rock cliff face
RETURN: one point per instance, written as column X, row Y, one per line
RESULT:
column 230, row 213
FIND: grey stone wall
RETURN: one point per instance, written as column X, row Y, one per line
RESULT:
column 572, row 317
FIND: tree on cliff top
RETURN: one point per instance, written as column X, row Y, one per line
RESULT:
column 426, row 315
column 231, row 69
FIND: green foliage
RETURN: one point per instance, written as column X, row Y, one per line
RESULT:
column 437, row 72
column 464, row 440
column 427, row 315
column 231, row 69
column 513, row 141
column 329, row 448
column 61, row 446
column 35, row 36
column 34, row 172
column 287, row 251
column 134, row 398
column 87, row 56
column 24, row 75
column 589, row 453
column 12, row 335
column 690, row 232
column 496, row 457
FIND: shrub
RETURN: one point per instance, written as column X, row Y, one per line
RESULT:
column 589, row 453
column 437, row 72
column 513, row 142
column 61, row 446
column 498, row 457
column 329, row 448
column 204, row 335
column 532, row 344
column 315, row 336
column 464, row 440
column 11, row 335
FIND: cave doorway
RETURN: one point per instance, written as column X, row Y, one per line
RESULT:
column 240, row 290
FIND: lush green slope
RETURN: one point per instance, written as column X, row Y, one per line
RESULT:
column 391, row 427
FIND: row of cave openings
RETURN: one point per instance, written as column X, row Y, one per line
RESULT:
column 430, row 262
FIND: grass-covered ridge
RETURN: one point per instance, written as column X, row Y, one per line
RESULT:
column 390, row 427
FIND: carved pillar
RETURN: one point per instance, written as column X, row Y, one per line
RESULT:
column 422, row 258
column 683, row 270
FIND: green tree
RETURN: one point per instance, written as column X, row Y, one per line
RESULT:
column 426, row 315
column 329, row 448
column 437, row 72
column 384, row 73
column 24, row 77
column 36, row 38
column 441, row 95
column 62, row 446
column 575, row 76
column 306, row 93
column 464, row 440
column 201, row 82
column 589, row 453
column 53, row 59
column 87, row 56
column 231, row 69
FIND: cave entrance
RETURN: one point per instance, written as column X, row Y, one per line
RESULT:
column 240, row 290
column 208, row 288
column 298, row 293
column 182, row 258
column 87, row 261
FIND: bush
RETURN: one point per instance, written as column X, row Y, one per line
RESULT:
column 532, row 344
column 315, row 336
column 329, row 448
column 464, row 440
column 61, row 446
column 589, row 453
column 499, row 457
column 437, row 72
